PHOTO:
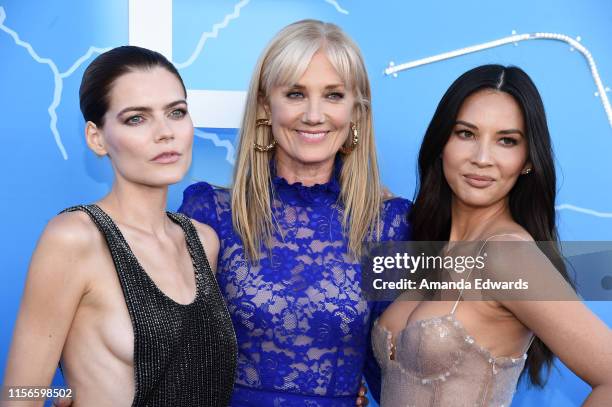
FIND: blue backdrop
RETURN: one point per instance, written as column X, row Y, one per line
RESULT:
column 45, row 46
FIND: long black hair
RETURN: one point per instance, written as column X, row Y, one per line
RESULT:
column 103, row 71
column 531, row 200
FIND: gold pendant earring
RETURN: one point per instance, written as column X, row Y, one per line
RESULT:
column 355, row 141
column 258, row 147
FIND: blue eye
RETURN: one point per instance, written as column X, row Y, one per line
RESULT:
column 336, row 96
column 134, row 120
column 178, row 113
column 295, row 95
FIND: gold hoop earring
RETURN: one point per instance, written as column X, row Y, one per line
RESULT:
column 258, row 147
column 354, row 143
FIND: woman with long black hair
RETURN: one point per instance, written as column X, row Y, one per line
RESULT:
column 487, row 175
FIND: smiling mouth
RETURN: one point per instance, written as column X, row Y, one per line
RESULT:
column 311, row 136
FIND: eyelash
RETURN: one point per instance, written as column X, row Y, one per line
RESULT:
column 506, row 141
column 332, row 95
column 183, row 113
column 464, row 133
column 129, row 121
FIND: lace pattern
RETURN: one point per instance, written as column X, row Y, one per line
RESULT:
column 301, row 322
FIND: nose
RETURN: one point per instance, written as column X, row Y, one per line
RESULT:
column 164, row 131
column 313, row 113
column 482, row 154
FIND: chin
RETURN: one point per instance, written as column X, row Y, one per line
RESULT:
column 315, row 157
column 478, row 200
column 162, row 180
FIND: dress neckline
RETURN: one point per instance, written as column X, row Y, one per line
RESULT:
column 501, row 361
column 135, row 260
column 294, row 193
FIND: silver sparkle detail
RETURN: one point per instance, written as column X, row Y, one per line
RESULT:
column 574, row 43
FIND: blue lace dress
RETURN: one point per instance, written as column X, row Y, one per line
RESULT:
column 301, row 322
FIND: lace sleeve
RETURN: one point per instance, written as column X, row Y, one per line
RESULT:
column 395, row 226
column 200, row 203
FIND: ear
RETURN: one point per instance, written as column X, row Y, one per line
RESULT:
column 95, row 140
column 527, row 168
column 263, row 107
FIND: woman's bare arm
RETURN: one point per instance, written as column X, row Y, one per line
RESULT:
column 572, row 332
column 59, row 266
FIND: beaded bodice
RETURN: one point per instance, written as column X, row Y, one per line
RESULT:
column 437, row 363
column 184, row 355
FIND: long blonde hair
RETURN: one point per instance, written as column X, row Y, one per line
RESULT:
column 282, row 63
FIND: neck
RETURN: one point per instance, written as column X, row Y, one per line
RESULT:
column 308, row 174
column 470, row 223
column 137, row 206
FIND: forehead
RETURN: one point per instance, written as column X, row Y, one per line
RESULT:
column 320, row 71
column 145, row 87
column 491, row 108
column 318, row 64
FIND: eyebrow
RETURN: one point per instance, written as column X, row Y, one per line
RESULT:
column 148, row 109
column 333, row 86
column 473, row 126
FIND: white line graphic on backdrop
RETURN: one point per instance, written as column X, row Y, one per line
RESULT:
column 58, row 77
column 208, row 108
column 515, row 38
column 212, row 34
column 230, row 155
column 337, row 6
column 585, row 211
column 394, row 69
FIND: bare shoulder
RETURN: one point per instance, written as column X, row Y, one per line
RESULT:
column 210, row 242
column 205, row 232
column 508, row 232
column 70, row 242
column 72, row 231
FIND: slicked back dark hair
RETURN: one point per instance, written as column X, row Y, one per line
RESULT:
column 103, row 71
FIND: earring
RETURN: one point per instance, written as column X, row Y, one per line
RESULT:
column 355, row 142
column 258, row 147
column 527, row 171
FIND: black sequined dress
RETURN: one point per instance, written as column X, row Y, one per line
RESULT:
column 184, row 355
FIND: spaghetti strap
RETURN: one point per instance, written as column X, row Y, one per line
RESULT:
column 529, row 344
column 478, row 254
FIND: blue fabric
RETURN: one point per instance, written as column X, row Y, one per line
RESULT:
column 301, row 322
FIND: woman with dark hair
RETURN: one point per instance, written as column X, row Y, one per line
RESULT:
column 487, row 175
column 141, row 320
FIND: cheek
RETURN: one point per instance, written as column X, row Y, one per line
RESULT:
column 453, row 155
column 124, row 143
column 511, row 163
column 283, row 114
column 341, row 115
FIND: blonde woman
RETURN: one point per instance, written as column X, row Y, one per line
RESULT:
column 306, row 194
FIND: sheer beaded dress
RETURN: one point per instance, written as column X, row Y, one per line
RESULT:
column 184, row 355
column 436, row 363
